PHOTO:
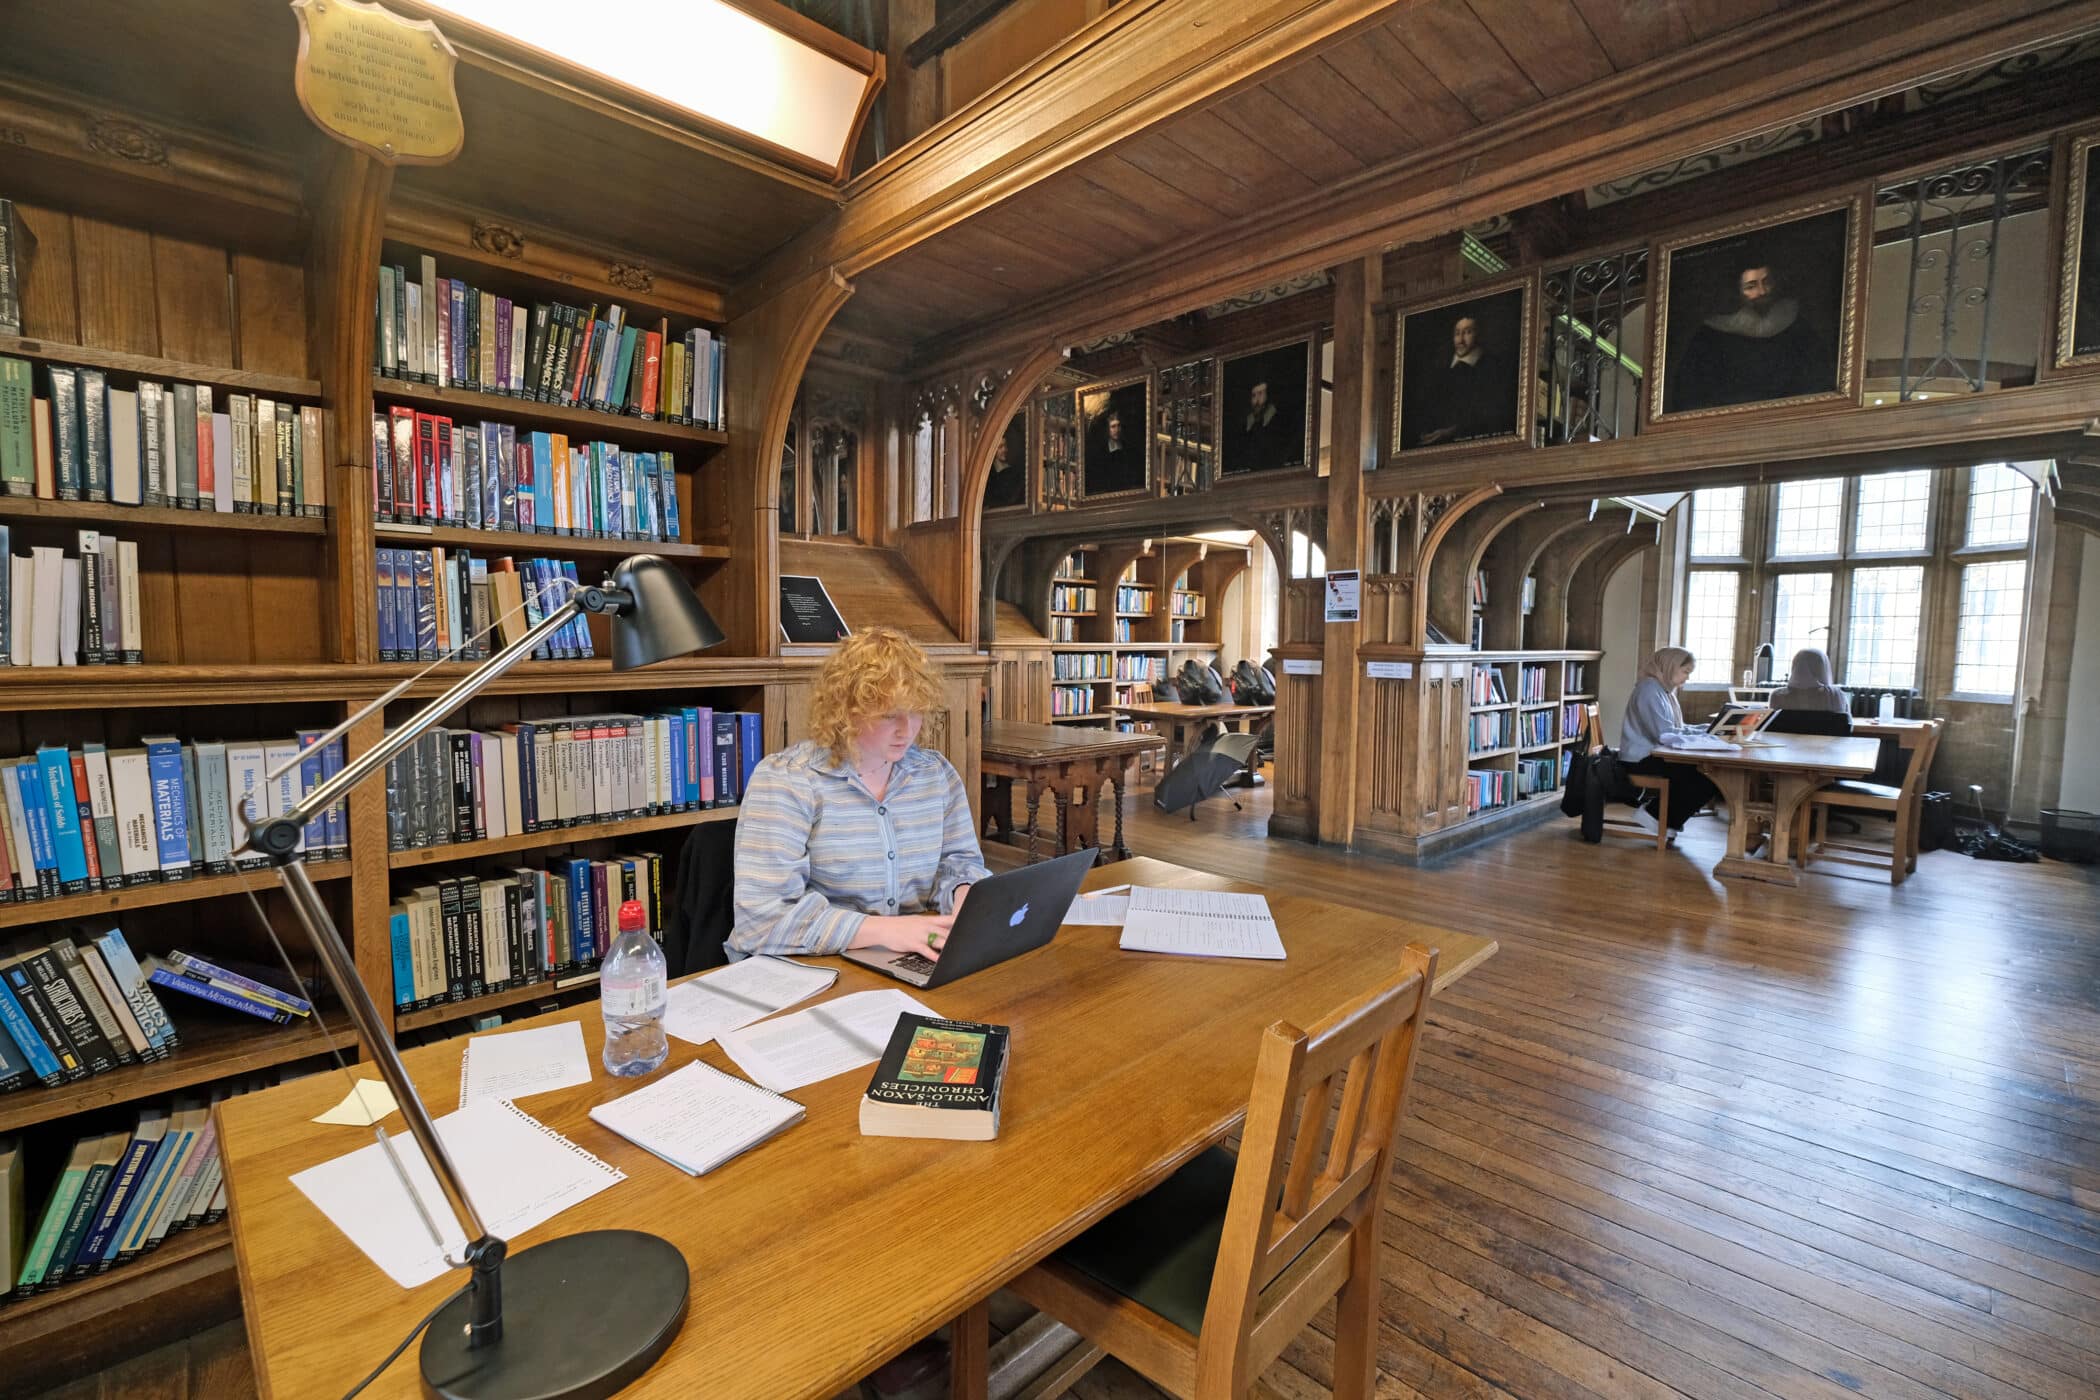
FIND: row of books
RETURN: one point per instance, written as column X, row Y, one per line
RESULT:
column 438, row 330
column 1064, row 629
column 156, row 445
column 1140, row 667
column 1125, row 630
column 1486, row 789
column 1537, row 728
column 1071, row 566
column 76, row 1006
column 1578, row 681
column 466, row 937
column 1071, row 700
column 1480, row 588
column 11, row 256
column 1133, row 600
column 1571, row 721
column 429, row 470
column 456, row 785
column 1485, row 687
column 438, row 603
column 1490, row 732
column 1531, row 683
column 119, row 1195
column 1178, row 631
column 1185, row 604
column 1081, row 665
column 1537, row 775
column 71, row 610
column 1072, row 597
column 95, row 818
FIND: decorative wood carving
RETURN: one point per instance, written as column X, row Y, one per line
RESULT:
column 632, row 276
column 127, row 140
column 499, row 239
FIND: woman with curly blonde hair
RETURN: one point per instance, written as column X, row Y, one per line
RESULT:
column 856, row 837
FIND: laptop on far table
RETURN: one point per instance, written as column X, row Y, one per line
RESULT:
column 1001, row 918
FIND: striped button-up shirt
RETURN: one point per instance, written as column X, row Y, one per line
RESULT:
column 816, row 852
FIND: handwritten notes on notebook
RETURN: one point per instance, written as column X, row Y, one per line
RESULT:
column 703, row 1008
column 518, row 1173
column 697, row 1118
column 512, row 1064
column 1200, row 923
column 833, row 1038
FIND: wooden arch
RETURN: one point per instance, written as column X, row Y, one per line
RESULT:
column 1011, row 397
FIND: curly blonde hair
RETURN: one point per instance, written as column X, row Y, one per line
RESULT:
column 873, row 673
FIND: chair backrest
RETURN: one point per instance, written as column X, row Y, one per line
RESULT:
column 1921, row 758
column 1810, row 722
column 1301, row 1191
column 1592, row 730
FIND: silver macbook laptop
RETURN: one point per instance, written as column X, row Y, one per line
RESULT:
column 1002, row 918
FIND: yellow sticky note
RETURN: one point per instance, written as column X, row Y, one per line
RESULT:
column 363, row 1106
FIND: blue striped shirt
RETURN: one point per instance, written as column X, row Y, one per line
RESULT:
column 816, row 853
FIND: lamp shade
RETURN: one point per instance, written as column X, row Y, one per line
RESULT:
column 663, row 619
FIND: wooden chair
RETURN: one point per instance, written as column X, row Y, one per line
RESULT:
column 1593, row 731
column 1200, row 1284
column 1812, row 826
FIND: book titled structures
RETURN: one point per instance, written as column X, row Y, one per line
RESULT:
column 937, row 1079
column 187, row 446
column 95, row 818
column 437, row 330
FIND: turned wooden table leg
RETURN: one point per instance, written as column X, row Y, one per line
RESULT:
column 969, row 1355
column 1116, row 782
column 1035, row 801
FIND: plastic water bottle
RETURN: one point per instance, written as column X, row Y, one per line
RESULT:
column 631, row 992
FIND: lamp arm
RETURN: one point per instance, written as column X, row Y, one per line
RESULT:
column 278, row 836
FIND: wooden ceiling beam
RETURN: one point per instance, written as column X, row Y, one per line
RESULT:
column 1795, row 64
column 1139, row 64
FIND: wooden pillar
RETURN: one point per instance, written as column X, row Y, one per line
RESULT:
column 1358, row 288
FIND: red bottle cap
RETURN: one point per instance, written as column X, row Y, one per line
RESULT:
column 631, row 916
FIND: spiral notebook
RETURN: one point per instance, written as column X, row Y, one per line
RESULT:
column 518, row 1173
column 697, row 1118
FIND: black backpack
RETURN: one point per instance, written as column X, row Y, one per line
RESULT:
column 1199, row 684
column 1252, row 685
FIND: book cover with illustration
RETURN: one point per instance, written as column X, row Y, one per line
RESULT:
column 937, row 1079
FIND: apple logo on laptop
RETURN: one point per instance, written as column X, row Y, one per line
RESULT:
column 1019, row 914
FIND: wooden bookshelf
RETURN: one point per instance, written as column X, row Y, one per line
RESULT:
column 422, row 856
column 101, row 904
column 119, row 518
column 519, row 542
column 216, row 1045
column 612, row 427
column 495, row 1001
column 122, row 362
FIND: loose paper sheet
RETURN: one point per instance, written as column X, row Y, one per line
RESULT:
column 829, row 1039
column 703, row 1008
column 518, row 1173
column 1200, row 923
column 512, row 1064
column 697, row 1118
column 1104, row 907
column 363, row 1106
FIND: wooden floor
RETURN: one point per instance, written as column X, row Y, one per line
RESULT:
column 1688, row 1138
column 1683, row 1138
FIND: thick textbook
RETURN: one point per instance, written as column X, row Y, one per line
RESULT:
column 937, row 1079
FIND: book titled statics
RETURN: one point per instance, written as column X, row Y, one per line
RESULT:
column 937, row 1079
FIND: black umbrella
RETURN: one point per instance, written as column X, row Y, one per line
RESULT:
column 1203, row 773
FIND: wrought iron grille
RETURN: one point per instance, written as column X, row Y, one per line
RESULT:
column 1950, row 226
column 1590, row 378
column 1186, row 449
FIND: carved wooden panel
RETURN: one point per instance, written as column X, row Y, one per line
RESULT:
column 1297, row 747
column 1385, row 750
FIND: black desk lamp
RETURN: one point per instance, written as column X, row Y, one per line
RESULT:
column 590, row 1312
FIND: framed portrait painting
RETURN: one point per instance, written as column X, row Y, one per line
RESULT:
column 1463, row 374
column 1758, row 313
column 1265, row 417
column 1007, row 486
column 2078, row 303
column 1115, row 444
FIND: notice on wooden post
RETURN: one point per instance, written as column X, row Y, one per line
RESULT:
column 376, row 81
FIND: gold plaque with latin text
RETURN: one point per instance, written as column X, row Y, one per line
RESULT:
column 377, row 81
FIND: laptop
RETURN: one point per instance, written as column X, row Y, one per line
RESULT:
column 1737, row 720
column 1002, row 918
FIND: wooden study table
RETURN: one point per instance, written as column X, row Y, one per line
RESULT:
column 1064, row 762
column 1795, row 765
column 818, row 1255
column 1187, row 722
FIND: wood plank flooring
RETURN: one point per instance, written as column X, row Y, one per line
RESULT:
column 1684, row 1137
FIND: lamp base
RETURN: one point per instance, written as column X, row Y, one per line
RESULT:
column 583, row 1316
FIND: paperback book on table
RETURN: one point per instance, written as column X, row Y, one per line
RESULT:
column 937, row 1079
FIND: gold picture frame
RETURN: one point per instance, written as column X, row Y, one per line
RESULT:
column 1096, row 403
column 1432, row 325
column 1307, row 380
column 2081, row 226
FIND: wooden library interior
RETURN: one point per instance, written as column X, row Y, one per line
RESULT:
column 889, row 699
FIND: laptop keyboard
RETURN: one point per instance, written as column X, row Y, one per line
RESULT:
column 912, row 962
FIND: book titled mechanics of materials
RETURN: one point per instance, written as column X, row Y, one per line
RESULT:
column 937, row 1079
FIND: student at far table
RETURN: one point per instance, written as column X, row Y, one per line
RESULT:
column 1652, row 724
column 856, row 837
column 1808, row 685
